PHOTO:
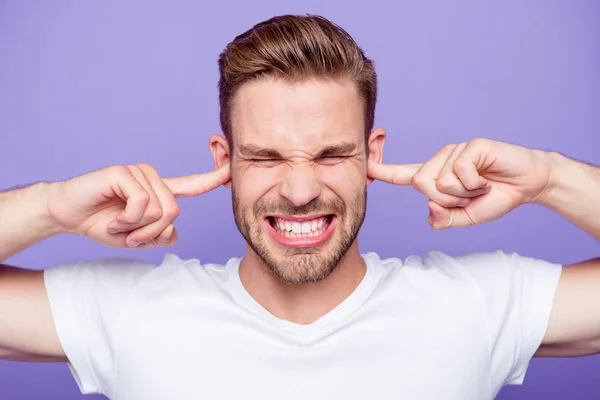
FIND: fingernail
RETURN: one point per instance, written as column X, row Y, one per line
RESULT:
column 463, row 202
column 434, row 212
column 133, row 243
column 113, row 230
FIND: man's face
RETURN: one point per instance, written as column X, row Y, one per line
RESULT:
column 299, row 174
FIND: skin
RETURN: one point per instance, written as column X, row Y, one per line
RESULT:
column 279, row 133
column 132, row 206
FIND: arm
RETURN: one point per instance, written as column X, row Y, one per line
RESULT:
column 27, row 331
column 117, row 206
column 482, row 180
column 574, row 329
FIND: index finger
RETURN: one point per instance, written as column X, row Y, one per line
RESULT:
column 399, row 174
column 195, row 185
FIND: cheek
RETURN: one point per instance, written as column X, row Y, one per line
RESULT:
column 252, row 183
column 343, row 178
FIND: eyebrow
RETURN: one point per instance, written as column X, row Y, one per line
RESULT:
column 338, row 149
column 252, row 150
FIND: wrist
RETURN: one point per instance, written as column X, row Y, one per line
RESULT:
column 37, row 201
column 555, row 163
column 573, row 191
column 568, row 180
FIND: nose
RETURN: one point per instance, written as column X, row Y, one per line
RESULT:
column 300, row 186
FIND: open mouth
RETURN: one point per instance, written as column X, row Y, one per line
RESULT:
column 301, row 232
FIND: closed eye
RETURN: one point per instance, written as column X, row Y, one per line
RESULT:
column 330, row 160
column 265, row 162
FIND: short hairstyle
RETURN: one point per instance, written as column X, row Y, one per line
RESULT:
column 294, row 48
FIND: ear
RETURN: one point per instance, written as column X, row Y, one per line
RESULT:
column 375, row 144
column 219, row 147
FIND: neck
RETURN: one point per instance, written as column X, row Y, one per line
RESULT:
column 303, row 303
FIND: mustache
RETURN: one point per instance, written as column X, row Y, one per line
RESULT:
column 315, row 206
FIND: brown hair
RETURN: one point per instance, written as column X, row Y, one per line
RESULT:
column 295, row 47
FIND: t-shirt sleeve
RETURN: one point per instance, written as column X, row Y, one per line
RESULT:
column 87, row 300
column 518, row 293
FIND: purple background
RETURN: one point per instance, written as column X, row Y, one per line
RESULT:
column 85, row 85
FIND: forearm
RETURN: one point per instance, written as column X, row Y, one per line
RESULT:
column 24, row 219
column 574, row 193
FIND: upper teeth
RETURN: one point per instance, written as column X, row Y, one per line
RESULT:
column 300, row 227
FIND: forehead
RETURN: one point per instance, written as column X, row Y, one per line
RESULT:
column 302, row 116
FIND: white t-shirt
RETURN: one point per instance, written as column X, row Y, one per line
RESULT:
column 441, row 327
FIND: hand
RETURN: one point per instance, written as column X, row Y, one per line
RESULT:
column 472, row 183
column 126, row 206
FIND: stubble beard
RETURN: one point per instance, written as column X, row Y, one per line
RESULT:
column 301, row 265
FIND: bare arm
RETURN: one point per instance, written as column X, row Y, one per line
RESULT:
column 24, row 219
column 482, row 180
column 121, row 206
column 27, row 332
column 574, row 328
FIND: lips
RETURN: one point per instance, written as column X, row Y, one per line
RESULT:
column 301, row 231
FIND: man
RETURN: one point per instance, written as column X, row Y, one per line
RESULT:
column 302, row 314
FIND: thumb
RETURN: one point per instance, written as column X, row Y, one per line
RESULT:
column 444, row 218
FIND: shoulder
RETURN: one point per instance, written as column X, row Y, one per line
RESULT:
column 127, row 272
column 437, row 260
column 488, row 268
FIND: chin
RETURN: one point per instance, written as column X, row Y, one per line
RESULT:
column 301, row 268
column 303, row 264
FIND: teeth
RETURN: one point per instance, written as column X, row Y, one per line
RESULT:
column 296, row 227
column 306, row 227
column 318, row 232
column 299, row 229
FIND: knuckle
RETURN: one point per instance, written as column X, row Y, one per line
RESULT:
column 154, row 213
column 418, row 181
column 468, row 185
column 479, row 142
column 120, row 170
column 172, row 211
column 460, row 164
column 449, row 147
column 143, row 196
column 444, row 185
column 146, row 168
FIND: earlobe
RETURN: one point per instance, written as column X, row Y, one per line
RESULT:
column 375, row 144
column 219, row 147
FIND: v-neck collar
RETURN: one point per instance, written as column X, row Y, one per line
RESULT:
column 349, row 305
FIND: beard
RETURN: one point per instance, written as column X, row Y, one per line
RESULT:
column 301, row 265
